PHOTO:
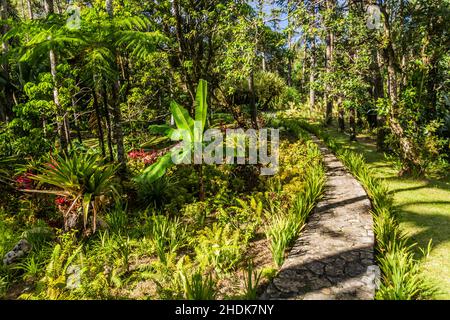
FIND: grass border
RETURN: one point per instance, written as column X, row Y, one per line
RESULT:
column 285, row 229
column 401, row 272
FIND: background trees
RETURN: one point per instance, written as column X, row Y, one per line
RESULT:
column 117, row 71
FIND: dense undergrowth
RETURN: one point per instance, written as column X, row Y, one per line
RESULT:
column 158, row 241
column 401, row 272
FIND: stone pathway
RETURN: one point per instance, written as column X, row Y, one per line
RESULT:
column 333, row 259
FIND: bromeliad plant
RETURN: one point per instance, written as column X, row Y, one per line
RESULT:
column 189, row 131
column 81, row 183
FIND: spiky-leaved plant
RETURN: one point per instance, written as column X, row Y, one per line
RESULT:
column 81, row 181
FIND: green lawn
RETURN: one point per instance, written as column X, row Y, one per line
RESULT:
column 424, row 206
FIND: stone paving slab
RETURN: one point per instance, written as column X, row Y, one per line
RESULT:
column 333, row 259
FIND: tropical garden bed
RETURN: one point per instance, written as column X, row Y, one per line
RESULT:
column 157, row 241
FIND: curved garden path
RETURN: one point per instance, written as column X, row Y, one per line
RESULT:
column 333, row 258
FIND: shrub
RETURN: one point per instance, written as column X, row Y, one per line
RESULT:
column 196, row 213
column 281, row 232
column 401, row 274
column 219, row 247
column 288, row 99
column 168, row 235
column 53, row 285
column 38, row 236
column 81, row 183
column 198, row 286
column 156, row 193
column 117, row 218
column 245, row 216
column 252, row 279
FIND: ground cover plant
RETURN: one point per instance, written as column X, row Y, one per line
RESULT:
column 402, row 278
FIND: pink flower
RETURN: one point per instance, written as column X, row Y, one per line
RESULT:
column 24, row 182
column 136, row 154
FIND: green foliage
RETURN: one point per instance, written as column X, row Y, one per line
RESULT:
column 244, row 216
column 282, row 231
column 117, row 218
column 290, row 98
column 83, row 180
column 185, row 124
column 53, row 285
column 198, row 286
column 31, row 268
column 4, row 283
column 156, row 193
column 168, row 235
column 196, row 213
column 39, row 235
column 252, row 279
column 219, row 247
column 401, row 274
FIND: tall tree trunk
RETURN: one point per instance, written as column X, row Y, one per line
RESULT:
column 98, row 116
column 289, row 67
column 30, row 10
column 304, row 62
column 49, row 7
column 60, row 123
column 77, row 127
column 201, row 182
column 312, row 55
column 329, row 70
column 432, row 80
column 67, row 130
column 352, row 123
column 116, row 112
column 378, row 93
column 409, row 154
column 312, row 71
column 264, row 63
column 75, row 120
column 6, row 105
column 117, row 128
column 253, row 107
column 108, row 122
column 341, row 115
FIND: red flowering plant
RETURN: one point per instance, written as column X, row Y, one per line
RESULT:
column 25, row 181
column 139, row 159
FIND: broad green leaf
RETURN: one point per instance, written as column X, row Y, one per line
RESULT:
column 86, row 202
column 182, row 118
column 158, row 169
column 201, row 105
column 162, row 129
